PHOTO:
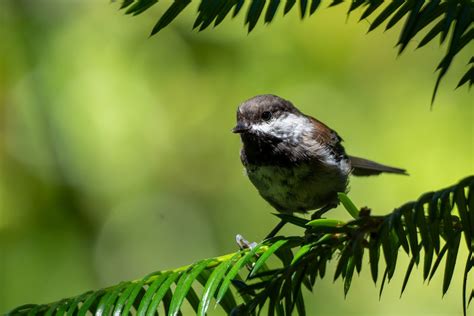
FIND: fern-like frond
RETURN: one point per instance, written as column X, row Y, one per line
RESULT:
column 446, row 19
column 428, row 225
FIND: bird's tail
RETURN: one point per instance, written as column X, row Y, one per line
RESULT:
column 364, row 167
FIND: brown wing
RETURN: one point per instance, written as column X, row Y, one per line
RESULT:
column 360, row 166
column 325, row 135
column 364, row 167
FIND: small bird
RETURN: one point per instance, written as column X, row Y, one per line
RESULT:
column 296, row 162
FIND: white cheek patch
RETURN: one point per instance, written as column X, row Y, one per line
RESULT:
column 289, row 127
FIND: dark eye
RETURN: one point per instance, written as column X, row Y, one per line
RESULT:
column 266, row 116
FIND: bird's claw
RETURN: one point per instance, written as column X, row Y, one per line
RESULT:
column 243, row 243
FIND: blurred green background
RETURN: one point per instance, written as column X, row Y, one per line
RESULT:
column 117, row 157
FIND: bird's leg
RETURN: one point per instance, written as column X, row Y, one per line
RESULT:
column 277, row 228
column 323, row 210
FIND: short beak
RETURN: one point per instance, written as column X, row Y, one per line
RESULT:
column 240, row 128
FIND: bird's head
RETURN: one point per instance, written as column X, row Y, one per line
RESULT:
column 270, row 117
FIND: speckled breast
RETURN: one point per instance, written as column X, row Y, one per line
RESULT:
column 299, row 188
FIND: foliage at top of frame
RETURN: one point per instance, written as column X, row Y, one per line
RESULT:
column 426, row 225
column 446, row 19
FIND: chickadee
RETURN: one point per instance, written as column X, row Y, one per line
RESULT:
column 296, row 162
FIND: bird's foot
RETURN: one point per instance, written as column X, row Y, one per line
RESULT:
column 243, row 243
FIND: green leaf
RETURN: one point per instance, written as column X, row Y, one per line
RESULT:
column 374, row 4
column 428, row 259
column 74, row 305
column 228, row 302
column 193, row 299
column 469, row 266
column 162, row 291
column 409, row 221
column 358, row 251
column 303, row 7
column 63, row 307
column 438, row 261
column 383, row 283
column 470, row 204
column 326, row 222
column 407, row 274
column 348, row 205
column 184, row 284
column 355, row 4
column 421, row 219
column 349, row 273
column 170, row 15
column 264, row 257
column 460, row 199
column 285, row 255
column 434, row 220
column 409, row 27
column 451, row 262
column 37, row 310
column 224, row 11
column 463, row 19
column 140, row 6
column 274, row 296
column 343, row 260
column 449, row 18
column 107, row 302
column 429, row 13
column 238, row 7
column 300, row 305
column 435, row 30
column 399, row 14
column 212, row 284
column 121, row 301
column 335, row 3
column 235, row 269
column 167, row 301
column 52, row 308
column 133, row 295
column 288, row 6
column 446, row 216
column 322, row 266
column 211, row 10
column 21, row 310
column 240, row 285
column 401, row 234
column 88, row 302
column 314, row 6
column 313, row 272
column 301, row 252
column 374, row 256
column 468, row 77
column 254, row 12
column 145, row 302
column 271, row 10
column 297, row 279
column 387, row 246
column 283, row 286
column 386, row 13
column 420, row 13
column 126, row 3
column 286, row 294
column 390, row 250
